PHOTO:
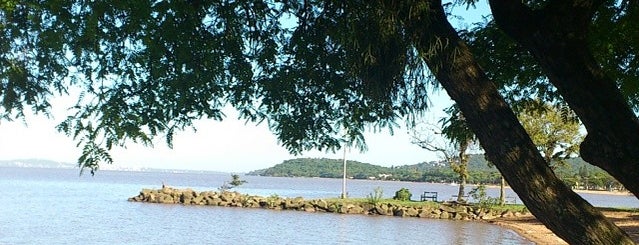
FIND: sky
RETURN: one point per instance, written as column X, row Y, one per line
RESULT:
column 226, row 146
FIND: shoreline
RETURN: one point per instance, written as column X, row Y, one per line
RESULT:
column 519, row 221
column 530, row 228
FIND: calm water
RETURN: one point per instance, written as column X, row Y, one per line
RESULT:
column 55, row 206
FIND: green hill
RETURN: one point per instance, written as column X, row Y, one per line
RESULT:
column 332, row 168
column 321, row 167
column 575, row 172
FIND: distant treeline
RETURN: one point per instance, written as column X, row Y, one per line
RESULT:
column 575, row 172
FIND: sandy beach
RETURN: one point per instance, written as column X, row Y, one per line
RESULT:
column 530, row 228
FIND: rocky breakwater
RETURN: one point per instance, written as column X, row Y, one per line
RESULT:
column 234, row 199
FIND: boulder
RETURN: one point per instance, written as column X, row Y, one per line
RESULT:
column 506, row 214
column 334, row 207
column 198, row 200
column 355, row 209
column 186, row 197
column 444, row 215
column 166, row 199
column 487, row 216
column 321, row 204
column 447, row 208
column 399, row 212
column 423, row 214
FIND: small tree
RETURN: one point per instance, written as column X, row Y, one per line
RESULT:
column 456, row 131
column 235, row 182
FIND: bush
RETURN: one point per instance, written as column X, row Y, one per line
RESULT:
column 403, row 195
column 375, row 197
column 483, row 200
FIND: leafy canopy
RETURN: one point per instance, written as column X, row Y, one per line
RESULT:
column 317, row 72
column 312, row 70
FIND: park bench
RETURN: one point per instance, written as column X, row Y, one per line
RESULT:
column 429, row 195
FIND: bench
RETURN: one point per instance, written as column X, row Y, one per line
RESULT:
column 429, row 195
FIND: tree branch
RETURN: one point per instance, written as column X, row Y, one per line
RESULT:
column 513, row 17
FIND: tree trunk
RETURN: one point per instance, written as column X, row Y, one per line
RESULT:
column 503, row 138
column 463, row 171
column 557, row 37
column 461, row 193
column 502, row 191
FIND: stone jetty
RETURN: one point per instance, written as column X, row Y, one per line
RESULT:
column 432, row 210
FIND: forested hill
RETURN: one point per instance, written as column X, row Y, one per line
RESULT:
column 480, row 171
column 332, row 168
column 320, row 167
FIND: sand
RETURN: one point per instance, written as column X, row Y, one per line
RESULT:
column 528, row 227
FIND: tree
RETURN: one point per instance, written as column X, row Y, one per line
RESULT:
column 460, row 138
column 151, row 68
column 505, row 141
column 235, row 182
column 583, row 48
column 553, row 129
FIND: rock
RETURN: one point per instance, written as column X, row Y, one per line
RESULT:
column 199, row 200
column 412, row 212
column 367, row 208
column 291, row 204
column 166, row 199
column 460, row 209
column 506, row 214
column 167, row 190
column 381, row 209
column 227, row 196
column 423, row 214
column 150, row 198
column 334, row 207
column 446, row 208
column 344, row 208
column 355, row 209
column 456, row 216
column 214, row 201
column 444, row 215
column 186, row 197
column 487, row 216
column 321, row 204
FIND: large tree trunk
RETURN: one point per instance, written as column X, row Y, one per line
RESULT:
column 557, row 37
column 503, row 138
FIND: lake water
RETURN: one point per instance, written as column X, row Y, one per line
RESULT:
column 56, row 206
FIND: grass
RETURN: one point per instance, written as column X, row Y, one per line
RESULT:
column 417, row 204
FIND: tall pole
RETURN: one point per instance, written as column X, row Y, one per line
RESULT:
column 344, row 177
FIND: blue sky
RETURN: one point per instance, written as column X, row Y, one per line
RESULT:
column 228, row 146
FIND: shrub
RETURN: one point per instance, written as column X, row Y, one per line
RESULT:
column 483, row 200
column 403, row 195
column 375, row 197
